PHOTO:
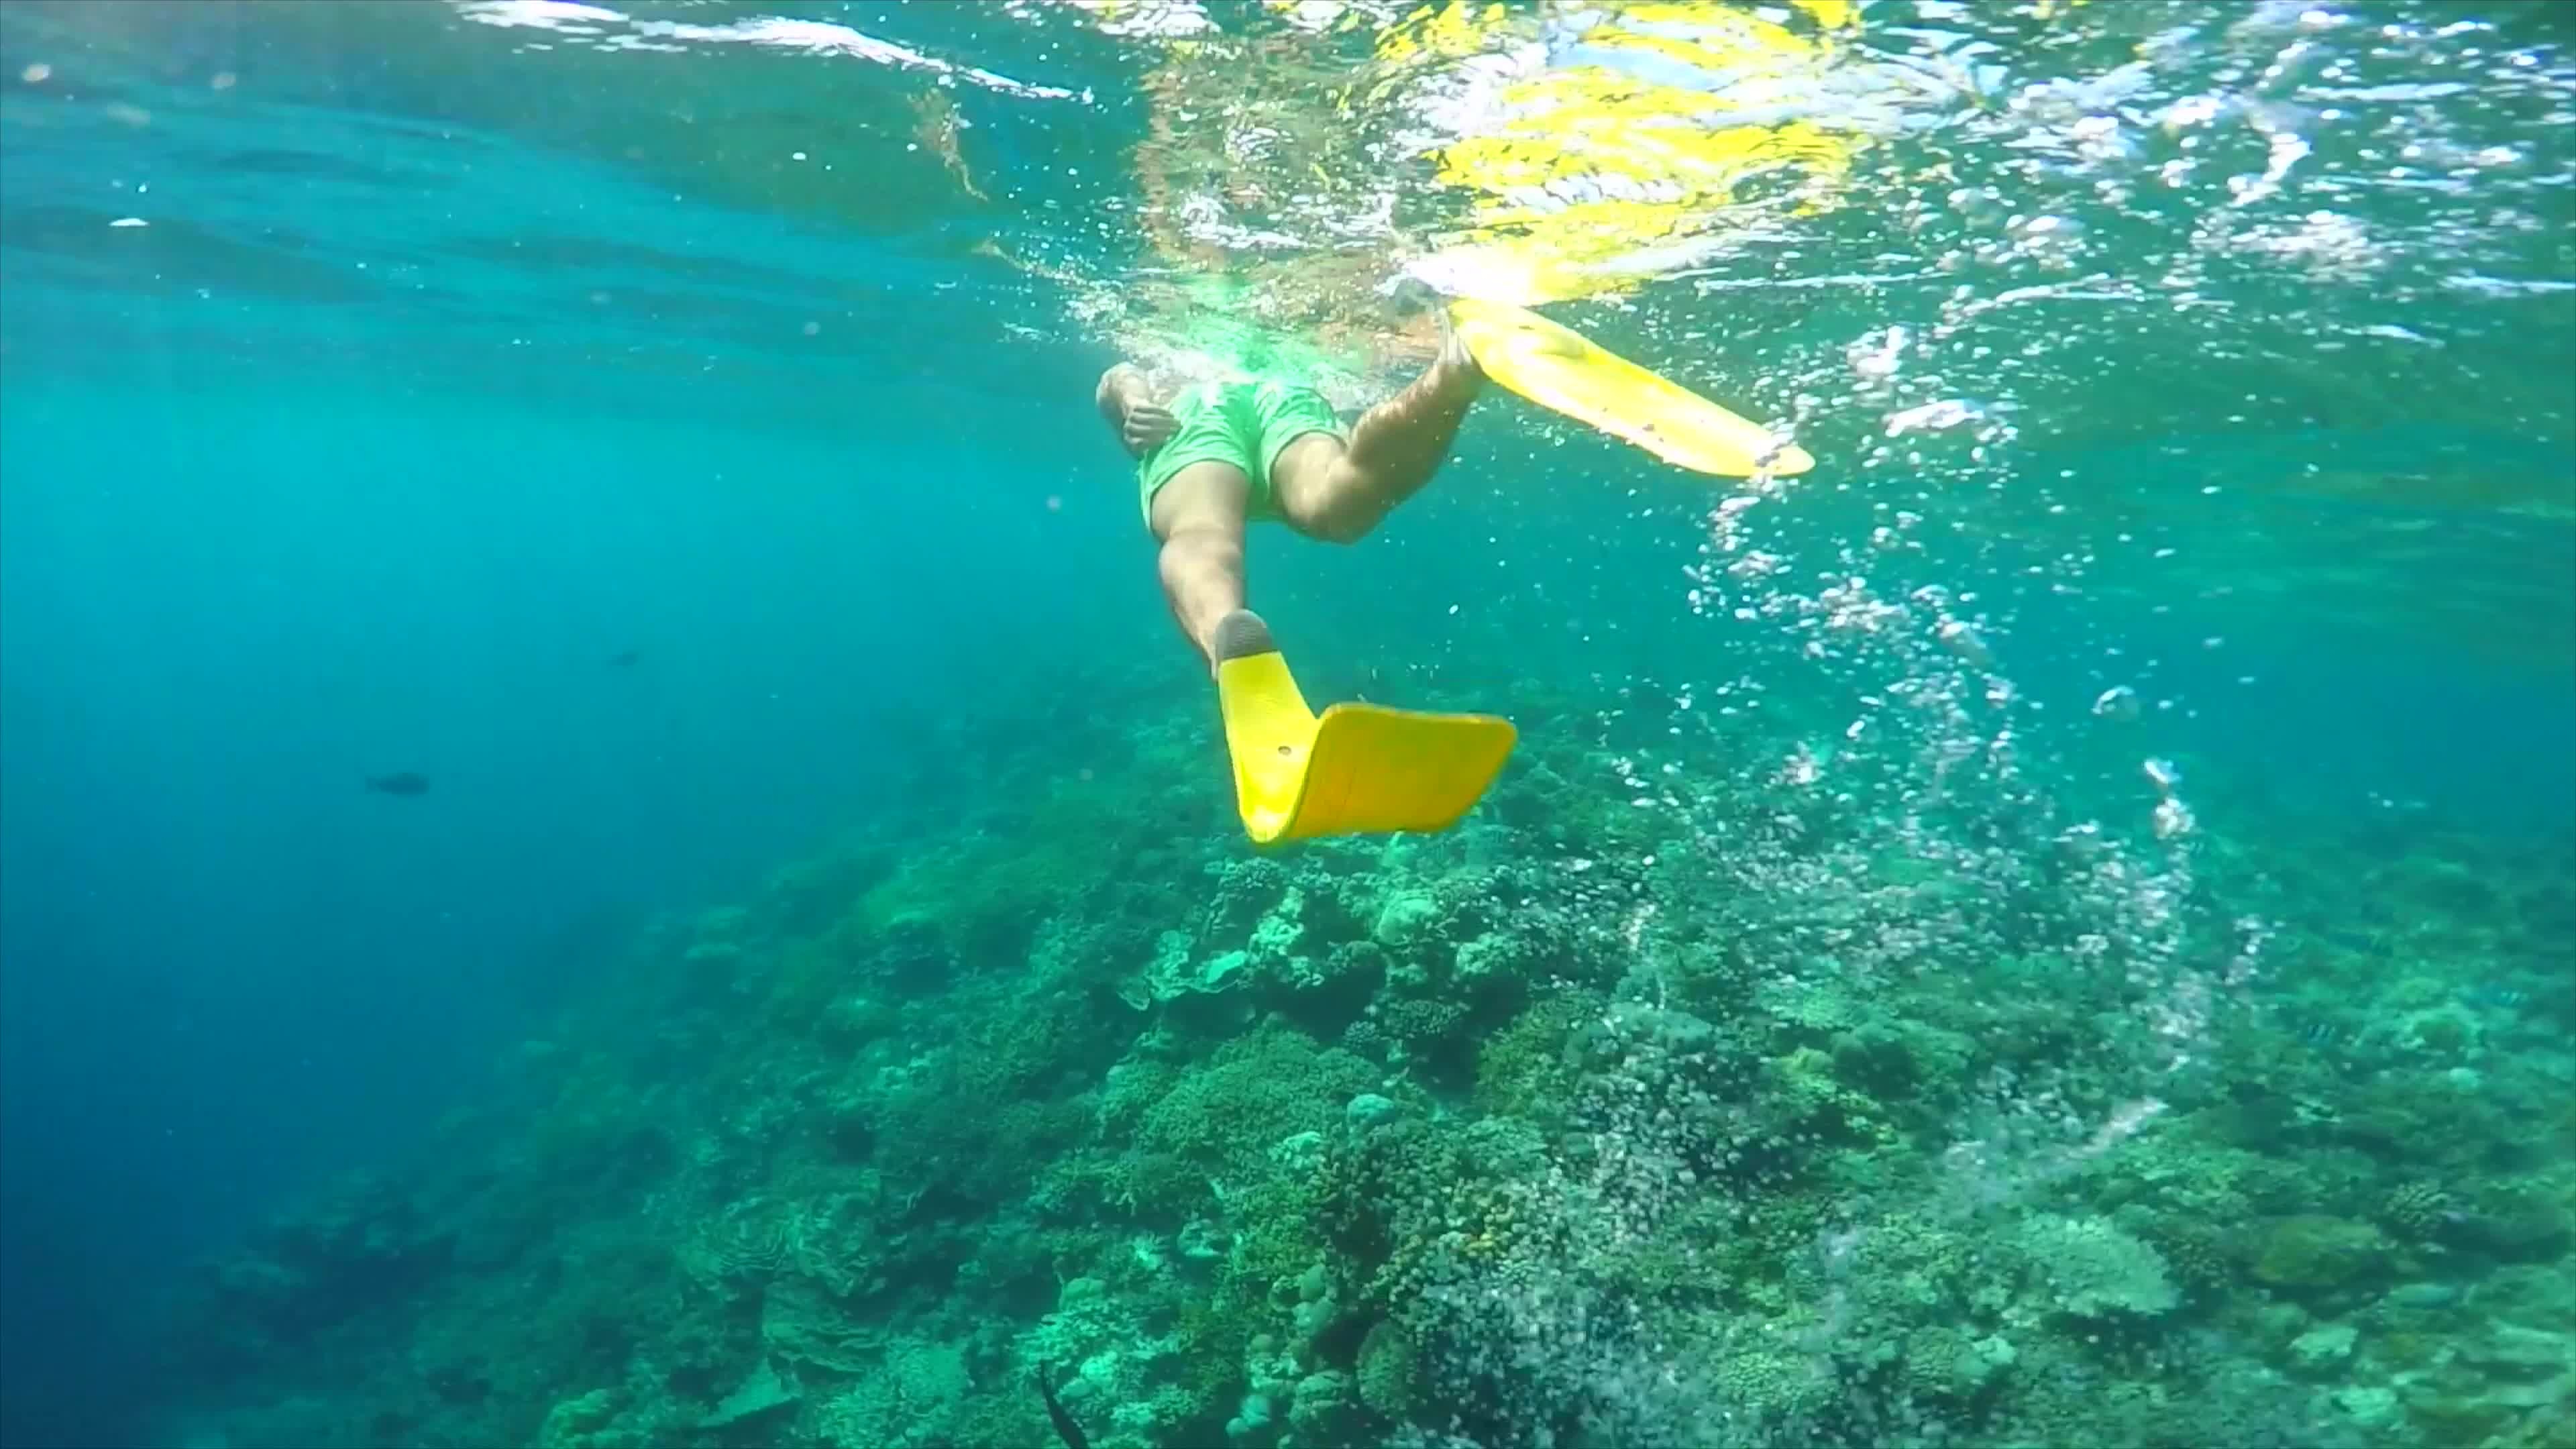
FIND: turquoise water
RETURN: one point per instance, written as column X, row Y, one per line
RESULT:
column 823, row 986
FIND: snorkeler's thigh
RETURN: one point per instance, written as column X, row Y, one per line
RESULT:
column 1304, row 474
column 1209, row 494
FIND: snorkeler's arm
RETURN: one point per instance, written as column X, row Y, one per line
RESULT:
column 1126, row 403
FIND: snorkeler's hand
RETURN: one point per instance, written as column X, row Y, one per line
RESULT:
column 1146, row 426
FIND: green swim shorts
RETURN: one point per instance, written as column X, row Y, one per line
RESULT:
column 1247, row 424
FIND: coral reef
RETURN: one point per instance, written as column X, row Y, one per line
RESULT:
column 1690, row 1105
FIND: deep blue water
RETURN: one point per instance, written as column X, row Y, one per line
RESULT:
column 420, row 405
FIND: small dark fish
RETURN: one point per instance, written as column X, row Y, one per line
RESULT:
column 1065, row 1429
column 624, row 658
column 400, row 782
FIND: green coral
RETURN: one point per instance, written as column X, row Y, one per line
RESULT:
column 1804, row 1093
column 1128, row 1091
column 1245, row 889
column 2196, row 1252
column 1497, row 953
column 1771, row 1386
column 1168, row 974
column 1389, row 1371
column 1521, row 1070
column 1324, row 1411
column 1405, row 918
column 2321, row 1255
column 1813, row 1007
column 2091, row 1269
column 1256, row 1091
column 1422, row 1025
column 2416, row 1210
column 914, row 1393
column 1279, row 931
column 1946, row 1364
column 588, row 1422
column 1907, row 1267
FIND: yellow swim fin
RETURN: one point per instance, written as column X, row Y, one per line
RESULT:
column 1358, row 768
column 1561, row 369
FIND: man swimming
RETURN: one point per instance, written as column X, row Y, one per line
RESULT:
column 1221, row 456
column 1216, row 457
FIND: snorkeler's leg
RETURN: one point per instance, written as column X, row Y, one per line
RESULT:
column 1354, row 768
column 1199, row 517
column 1338, row 491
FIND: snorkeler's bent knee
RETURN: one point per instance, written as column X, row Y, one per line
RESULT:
column 1338, row 492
